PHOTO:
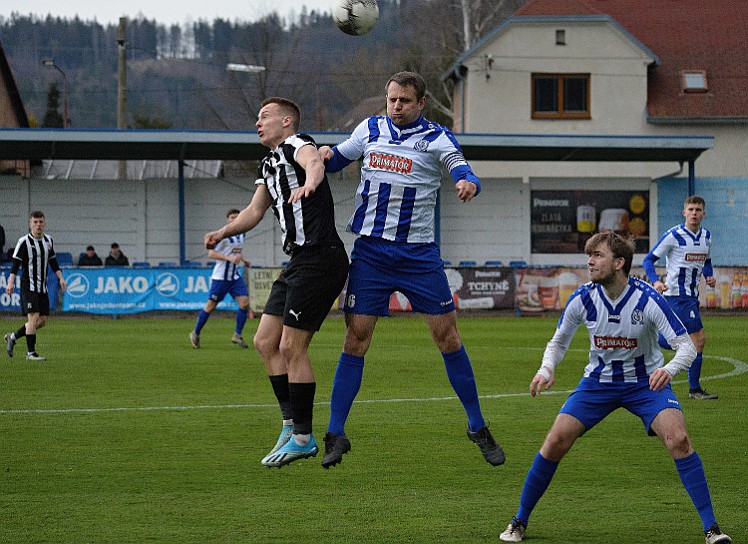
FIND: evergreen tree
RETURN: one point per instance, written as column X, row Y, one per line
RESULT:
column 53, row 118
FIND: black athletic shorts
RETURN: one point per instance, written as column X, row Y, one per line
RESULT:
column 34, row 303
column 307, row 288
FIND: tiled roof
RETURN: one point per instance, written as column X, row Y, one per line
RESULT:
column 707, row 35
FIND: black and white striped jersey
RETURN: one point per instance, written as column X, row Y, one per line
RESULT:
column 309, row 221
column 34, row 256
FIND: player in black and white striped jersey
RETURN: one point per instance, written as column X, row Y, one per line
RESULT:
column 291, row 181
column 34, row 255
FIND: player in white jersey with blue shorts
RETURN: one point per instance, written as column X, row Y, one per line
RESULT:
column 686, row 250
column 626, row 369
column 226, row 279
column 403, row 158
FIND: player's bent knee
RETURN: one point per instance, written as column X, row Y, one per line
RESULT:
column 678, row 444
column 264, row 345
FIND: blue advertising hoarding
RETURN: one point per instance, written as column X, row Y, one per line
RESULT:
column 123, row 290
column 135, row 290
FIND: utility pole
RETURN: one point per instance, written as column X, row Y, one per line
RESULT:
column 122, row 88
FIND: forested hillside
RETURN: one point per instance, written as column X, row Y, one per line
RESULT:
column 177, row 76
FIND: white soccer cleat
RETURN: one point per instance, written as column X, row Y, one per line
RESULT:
column 515, row 532
column 239, row 341
column 34, row 356
column 10, row 343
column 715, row 536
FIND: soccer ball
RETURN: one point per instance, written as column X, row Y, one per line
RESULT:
column 355, row 17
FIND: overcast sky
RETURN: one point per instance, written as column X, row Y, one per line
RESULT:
column 164, row 11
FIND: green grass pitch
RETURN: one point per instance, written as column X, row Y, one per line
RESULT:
column 128, row 435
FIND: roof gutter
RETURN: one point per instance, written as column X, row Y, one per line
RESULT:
column 727, row 120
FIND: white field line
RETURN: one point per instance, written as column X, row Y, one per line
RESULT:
column 739, row 367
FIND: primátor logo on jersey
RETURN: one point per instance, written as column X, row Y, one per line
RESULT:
column 615, row 342
column 391, row 163
column 695, row 257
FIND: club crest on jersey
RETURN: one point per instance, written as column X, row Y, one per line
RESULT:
column 392, row 163
column 637, row 317
column 421, row 145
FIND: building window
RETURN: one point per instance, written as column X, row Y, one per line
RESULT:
column 561, row 96
column 560, row 37
column 694, row 81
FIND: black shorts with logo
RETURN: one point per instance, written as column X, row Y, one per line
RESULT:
column 307, row 288
column 34, row 303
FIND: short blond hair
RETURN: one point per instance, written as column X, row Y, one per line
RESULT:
column 288, row 107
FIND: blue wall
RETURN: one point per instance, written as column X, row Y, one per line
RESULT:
column 726, row 214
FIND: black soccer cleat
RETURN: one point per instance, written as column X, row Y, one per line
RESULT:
column 490, row 449
column 335, row 447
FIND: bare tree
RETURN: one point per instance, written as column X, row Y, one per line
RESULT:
column 271, row 50
column 444, row 29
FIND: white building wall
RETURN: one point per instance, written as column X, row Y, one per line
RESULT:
column 142, row 216
column 499, row 98
column 492, row 226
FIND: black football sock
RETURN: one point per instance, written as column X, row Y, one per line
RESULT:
column 31, row 342
column 302, row 404
column 280, row 388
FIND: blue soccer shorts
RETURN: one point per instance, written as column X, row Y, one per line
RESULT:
column 592, row 401
column 381, row 267
column 220, row 288
column 687, row 310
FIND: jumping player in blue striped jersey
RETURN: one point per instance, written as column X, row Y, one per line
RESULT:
column 403, row 158
column 686, row 249
column 226, row 279
column 625, row 370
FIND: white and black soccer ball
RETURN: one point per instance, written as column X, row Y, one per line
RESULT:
column 356, row 17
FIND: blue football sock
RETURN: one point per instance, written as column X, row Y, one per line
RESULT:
column 460, row 374
column 345, row 386
column 691, row 472
column 694, row 372
column 241, row 319
column 202, row 317
column 538, row 478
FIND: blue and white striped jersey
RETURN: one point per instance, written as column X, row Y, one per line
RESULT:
column 225, row 270
column 400, row 176
column 686, row 256
column 623, row 332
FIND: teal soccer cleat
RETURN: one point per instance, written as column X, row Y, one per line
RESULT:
column 290, row 452
column 283, row 438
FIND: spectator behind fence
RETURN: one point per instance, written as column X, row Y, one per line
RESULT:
column 116, row 257
column 90, row 258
